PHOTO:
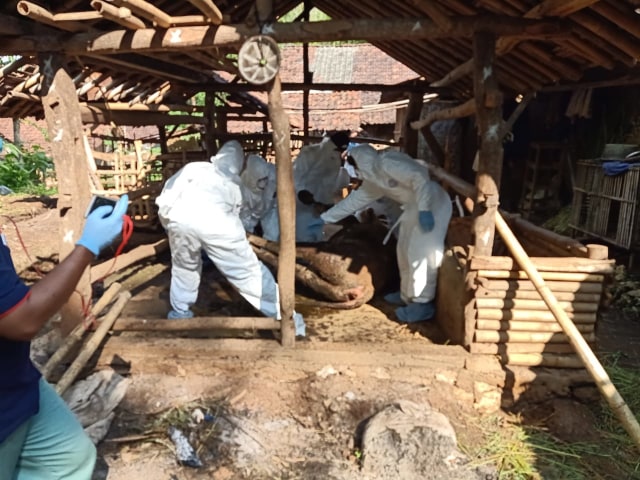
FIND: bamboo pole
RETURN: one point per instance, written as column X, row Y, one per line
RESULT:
column 503, row 295
column 76, row 334
column 495, row 336
column 101, row 270
column 94, row 342
column 209, row 9
column 496, row 348
column 590, row 361
column 531, row 315
column 573, row 287
column 533, row 305
column 120, row 15
column 558, row 276
column 463, row 110
column 147, row 10
column 548, row 264
column 42, row 15
column 541, row 360
column 527, row 326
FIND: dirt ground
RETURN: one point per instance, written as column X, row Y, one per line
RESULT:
column 254, row 410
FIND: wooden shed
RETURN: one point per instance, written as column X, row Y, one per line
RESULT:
column 134, row 61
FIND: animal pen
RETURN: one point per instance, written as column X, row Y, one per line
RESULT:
column 135, row 63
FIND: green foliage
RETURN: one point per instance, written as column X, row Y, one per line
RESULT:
column 526, row 452
column 25, row 170
column 625, row 292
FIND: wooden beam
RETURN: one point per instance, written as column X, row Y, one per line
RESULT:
column 558, row 8
column 508, row 125
column 489, row 121
column 62, row 114
column 420, row 87
column 96, row 115
column 40, row 14
column 90, row 15
column 147, row 10
column 202, row 324
column 159, row 69
column 434, row 145
column 414, row 109
column 286, row 194
column 209, row 9
column 546, row 8
column 463, row 110
column 119, row 15
column 198, row 37
column 633, row 79
column 610, row 34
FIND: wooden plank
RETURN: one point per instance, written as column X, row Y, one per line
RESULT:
column 535, row 306
column 508, row 348
column 558, row 276
column 532, row 315
column 148, row 354
column 521, row 326
column 527, row 285
column 552, row 360
column 137, row 324
column 482, row 292
column 544, row 264
column 495, row 336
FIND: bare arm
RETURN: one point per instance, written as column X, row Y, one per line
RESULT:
column 46, row 297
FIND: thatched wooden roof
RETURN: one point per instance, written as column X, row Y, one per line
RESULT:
column 167, row 50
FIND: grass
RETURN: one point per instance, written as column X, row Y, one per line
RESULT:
column 525, row 452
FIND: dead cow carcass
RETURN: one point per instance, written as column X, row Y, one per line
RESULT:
column 345, row 271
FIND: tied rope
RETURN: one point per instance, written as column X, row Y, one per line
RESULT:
column 88, row 319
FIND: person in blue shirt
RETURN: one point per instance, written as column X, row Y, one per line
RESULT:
column 39, row 436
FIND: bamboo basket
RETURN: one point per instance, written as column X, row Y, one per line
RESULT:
column 607, row 207
column 502, row 314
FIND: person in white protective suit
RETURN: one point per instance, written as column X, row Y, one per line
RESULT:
column 423, row 223
column 258, row 191
column 318, row 179
column 199, row 207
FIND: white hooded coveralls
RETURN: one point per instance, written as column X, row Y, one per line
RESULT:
column 317, row 169
column 258, row 191
column 401, row 178
column 200, row 209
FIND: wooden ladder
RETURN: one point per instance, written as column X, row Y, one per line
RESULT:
column 542, row 178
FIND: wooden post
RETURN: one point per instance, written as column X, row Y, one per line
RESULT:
column 62, row 113
column 410, row 135
column 162, row 136
column 286, row 195
column 306, row 76
column 210, row 123
column 489, row 121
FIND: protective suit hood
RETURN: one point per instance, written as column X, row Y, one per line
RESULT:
column 256, row 174
column 367, row 159
column 229, row 159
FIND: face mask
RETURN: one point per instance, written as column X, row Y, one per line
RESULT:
column 262, row 183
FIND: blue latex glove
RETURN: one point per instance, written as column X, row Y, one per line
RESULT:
column 103, row 225
column 315, row 228
column 426, row 220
